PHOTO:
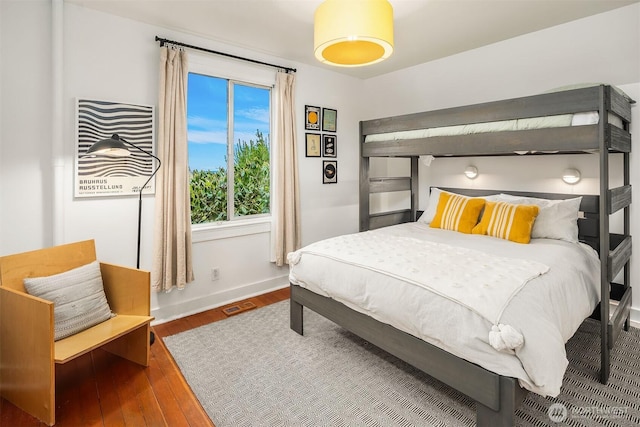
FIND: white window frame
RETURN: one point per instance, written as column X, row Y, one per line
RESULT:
column 247, row 74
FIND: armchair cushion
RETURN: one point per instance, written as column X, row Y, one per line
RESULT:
column 78, row 297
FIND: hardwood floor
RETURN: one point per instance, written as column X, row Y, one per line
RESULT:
column 100, row 389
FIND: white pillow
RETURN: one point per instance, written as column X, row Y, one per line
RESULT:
column 586, row 118
column 78, row 297
column 557, row 219
column 432, row 204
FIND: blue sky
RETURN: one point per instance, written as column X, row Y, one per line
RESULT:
column 207, row 118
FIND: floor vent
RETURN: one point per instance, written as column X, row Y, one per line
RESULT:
column 238, row 308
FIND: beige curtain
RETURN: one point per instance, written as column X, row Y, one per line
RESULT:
column 286, row 195
column 172, row 264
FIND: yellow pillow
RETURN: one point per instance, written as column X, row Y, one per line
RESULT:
column 457, row 213
column 507, row 221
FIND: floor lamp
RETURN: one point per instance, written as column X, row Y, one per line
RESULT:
column 117, row 147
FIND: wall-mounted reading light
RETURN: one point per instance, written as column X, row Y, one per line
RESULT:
column 571, row 176
column 471, row 172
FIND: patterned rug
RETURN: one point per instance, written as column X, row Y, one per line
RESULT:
column 253, row 370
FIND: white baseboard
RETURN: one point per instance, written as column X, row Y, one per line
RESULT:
column 187, row 308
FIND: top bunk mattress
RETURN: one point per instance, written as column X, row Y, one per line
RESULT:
column 565, row 120
column 555, row 121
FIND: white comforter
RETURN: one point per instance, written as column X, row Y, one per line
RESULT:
column 546, row 310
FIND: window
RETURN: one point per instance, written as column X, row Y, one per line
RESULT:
column 229, row 148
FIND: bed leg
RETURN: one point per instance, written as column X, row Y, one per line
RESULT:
column 296, row 320
column 511, row 395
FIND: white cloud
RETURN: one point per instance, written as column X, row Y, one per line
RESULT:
column 256, row 114
column 204, row 130
column 205, row 123
column 207, row 137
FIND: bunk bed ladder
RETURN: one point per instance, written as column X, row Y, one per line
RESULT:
column 374, row 185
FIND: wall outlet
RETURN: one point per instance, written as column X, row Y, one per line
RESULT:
column 215, row 274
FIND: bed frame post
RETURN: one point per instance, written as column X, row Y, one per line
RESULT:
column 603, row 208
column 627, row 224
column 364, row 187
column 414, row 187
column 511, row 395
column 295, row 316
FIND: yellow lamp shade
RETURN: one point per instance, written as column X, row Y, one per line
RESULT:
column 352, row 33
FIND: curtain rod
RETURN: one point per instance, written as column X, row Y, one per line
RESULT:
column 163, row 41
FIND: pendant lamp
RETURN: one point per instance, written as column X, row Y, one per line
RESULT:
column 353, row 33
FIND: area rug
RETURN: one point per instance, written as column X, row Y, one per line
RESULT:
column 253, row 370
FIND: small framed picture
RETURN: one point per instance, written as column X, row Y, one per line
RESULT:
column 313, row 145
column 329, row 171
column 311, row 117
column 329, row 146
column 329, row 118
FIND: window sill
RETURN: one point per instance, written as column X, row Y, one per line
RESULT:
column 226, row 230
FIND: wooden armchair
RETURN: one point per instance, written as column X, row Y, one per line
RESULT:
column 28, row 352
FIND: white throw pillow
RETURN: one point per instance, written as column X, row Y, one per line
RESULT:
column 78, row 297
column 432, row 205
column 557, row 219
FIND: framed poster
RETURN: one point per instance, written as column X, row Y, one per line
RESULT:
column 329, row 146
column 311, row 117
column 100, row 176
column 329, row 171
column 313, row 145
column 329, row 119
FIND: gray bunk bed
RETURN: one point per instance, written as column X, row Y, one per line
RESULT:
column 497, row 397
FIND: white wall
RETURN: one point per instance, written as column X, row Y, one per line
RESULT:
column 25, row 111
column 115, row 59
column 601, row 48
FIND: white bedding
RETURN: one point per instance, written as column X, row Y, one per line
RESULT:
column 560, row 120
column 546, row 310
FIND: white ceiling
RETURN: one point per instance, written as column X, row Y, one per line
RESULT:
column 424, row 30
